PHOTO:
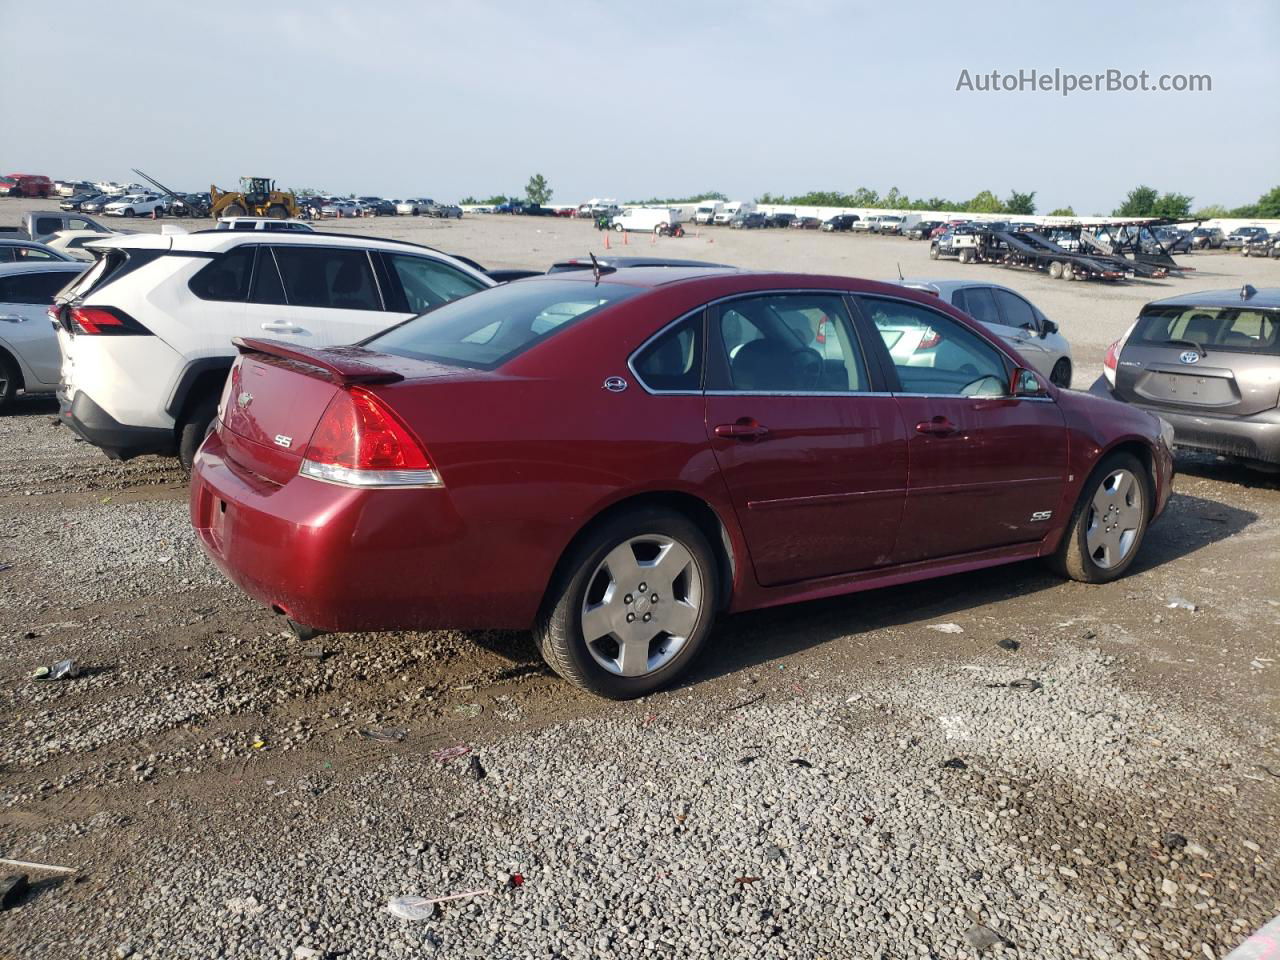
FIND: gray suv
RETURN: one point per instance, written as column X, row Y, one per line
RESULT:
column 1209, row 364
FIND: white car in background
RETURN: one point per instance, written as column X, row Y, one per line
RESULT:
column 1004, row 312
column 414, row 206
column 264, row 223
column 72, row 242
column 135, row 205
column 146, row 332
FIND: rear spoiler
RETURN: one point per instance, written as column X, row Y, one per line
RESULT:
column 340, row 363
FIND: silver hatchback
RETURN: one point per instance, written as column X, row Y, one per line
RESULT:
column 1209, row 364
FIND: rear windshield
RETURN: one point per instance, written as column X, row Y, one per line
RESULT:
column 1233, row 329
column 488, row 328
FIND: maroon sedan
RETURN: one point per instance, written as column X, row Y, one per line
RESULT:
column 613, row 460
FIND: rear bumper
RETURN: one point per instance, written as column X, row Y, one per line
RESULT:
column 117, row 440
column 1255, row 438
column 342, row 559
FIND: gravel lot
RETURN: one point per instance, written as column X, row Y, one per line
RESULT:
column 1076, row 772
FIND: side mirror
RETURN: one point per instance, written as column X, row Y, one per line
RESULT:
column 1027, row 383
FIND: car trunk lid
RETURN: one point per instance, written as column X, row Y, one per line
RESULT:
column 277, row 393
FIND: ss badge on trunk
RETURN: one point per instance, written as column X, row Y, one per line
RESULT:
column 1041, row 515
column 283, row 441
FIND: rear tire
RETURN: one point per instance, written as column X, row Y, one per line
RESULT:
column 1055, row 270
column 1068, row 272
column 1099, row 546
column 683, row 576
column 193, row 432
column 966, row 255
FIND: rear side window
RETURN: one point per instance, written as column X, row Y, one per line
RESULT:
column 490, row 328
column 674, row 360
column 978, row 303
column 267, row 286
column 429, row 283
column 331, row 277
column 48, row 224
column 32, row 287
column 1234, row 329
column 226, row 277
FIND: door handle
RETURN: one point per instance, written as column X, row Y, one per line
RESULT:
column 282, row 328
column 937, row 427
column 745, row 429
column 12, row 318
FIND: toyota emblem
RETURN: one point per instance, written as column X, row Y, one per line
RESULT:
column 1189, row 356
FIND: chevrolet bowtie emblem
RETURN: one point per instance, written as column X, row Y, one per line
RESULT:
column 244, row 400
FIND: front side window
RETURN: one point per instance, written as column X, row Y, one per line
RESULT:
column 1017, row 312
column 494, row 326
column 331, row 277
column 673, row 362
column 934, row 354
column 429, row 283
column 789, row 343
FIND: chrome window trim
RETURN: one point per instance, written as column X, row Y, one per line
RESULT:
column 771, row 291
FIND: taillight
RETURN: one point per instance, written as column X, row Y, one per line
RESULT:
column 1112, row 360
column 105, row 321
column 930, row 339
column 821, row 335
column 360, row 442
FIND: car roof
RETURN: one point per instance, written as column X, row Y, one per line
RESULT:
column 24, row 242
column 1268, row 298
column 940, row 286
column 43, row 266
column 636, row 262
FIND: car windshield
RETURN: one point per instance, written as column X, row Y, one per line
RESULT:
column 1232, row 329
column 488, row 328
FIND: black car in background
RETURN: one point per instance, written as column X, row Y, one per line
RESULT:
column 779, row 219
column 378, row 206
column 840, row 223
column 75, row 203
column 805, row 223
column 748, row 221
column 922, row 230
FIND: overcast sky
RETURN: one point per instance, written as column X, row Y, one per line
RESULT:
column 631, row 100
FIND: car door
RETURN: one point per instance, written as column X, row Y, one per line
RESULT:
column 1022, row 329
column 814, row 457
column 24, row 323
column 985, row 469
column 332, row 293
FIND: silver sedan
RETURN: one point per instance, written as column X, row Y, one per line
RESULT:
column 1011, row 317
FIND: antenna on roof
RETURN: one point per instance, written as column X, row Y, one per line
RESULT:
column 900, row 276
column 595, row 268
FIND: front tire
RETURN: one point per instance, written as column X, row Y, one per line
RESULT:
column 1109, row 522
column 1055, row 270
column 232, row 210
column 278, row 211
column 9, row 380
column 1060, row 375
column 632, row 604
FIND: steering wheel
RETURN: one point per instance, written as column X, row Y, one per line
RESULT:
column 974, row 388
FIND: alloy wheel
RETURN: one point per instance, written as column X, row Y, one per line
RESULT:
column 641, row 605
column 1115, row 519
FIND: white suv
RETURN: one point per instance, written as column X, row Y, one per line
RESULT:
column 145, row 333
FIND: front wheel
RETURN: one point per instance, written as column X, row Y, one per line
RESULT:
column 278, row 211
column 632, row 606
column 1060, row 375
column 617, row 227
column 1108, row 523
column 933, row 253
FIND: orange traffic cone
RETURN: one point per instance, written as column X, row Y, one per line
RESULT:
column 606, row 239
column 625, row 238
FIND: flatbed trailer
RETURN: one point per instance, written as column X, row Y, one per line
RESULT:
column 1011, row 249
column 1132, row 242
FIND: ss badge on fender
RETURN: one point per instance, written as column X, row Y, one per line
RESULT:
column 1041, row 515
